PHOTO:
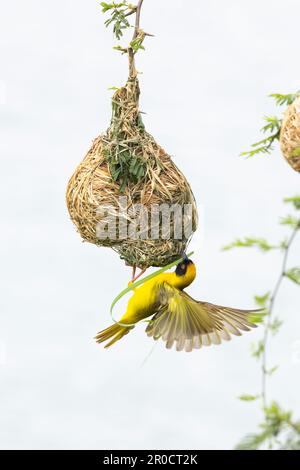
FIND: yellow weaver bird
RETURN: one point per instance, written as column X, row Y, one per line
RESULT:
column 176, row 317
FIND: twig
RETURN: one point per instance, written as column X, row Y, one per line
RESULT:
column 271, row 309
column 137, row 19
column 132, row 69
column 131, row 12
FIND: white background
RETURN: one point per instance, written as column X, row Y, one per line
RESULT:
column 206, row 77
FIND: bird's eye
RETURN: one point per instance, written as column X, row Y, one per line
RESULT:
column 183, row 266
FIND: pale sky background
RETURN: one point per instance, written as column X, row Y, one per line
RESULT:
column 206, row 77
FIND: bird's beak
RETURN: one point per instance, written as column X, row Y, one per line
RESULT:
column 184, row 257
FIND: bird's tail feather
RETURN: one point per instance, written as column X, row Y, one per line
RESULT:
column 115, row 332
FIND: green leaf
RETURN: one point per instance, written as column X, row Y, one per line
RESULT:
column 248, row 397
column 250, row 242
column 276, row 414
column 136, row 44
column 123, row 184
column 275, row 325
column 105, row 7
column 258, row 317
column 264, row 149
column 110, row 6
column 120, row 48
column 293, row 274
column 273, row 124
column 295, row 200
column 118, row 16
column 283, row 244
column 257, row 349
column 290, row 220
column 261, row 300
column 284, row 99
column 264, row 146
column 272, row 370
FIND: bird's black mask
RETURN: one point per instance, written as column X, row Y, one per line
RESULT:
column 181, row 267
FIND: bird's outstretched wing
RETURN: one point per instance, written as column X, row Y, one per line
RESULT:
column 190, row 324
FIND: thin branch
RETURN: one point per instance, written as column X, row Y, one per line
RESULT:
column 137, row 19
column 271, row 309
column 132, row 69
column 131, row 12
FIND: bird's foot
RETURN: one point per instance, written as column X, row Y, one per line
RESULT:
column 135, row 278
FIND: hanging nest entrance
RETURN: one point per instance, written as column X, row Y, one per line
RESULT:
column 290, row 135
column 126, row 164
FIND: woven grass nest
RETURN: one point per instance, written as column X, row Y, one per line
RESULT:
column 126, row 161
column 290, row 135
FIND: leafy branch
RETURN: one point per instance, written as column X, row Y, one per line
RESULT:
column 118, row 16
column 250, row 242
column 284, row 99
column 276, row 421
column 269, row 326
column 119, row 13
column 295, row 200
column 272, row 127
column 294, row 275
